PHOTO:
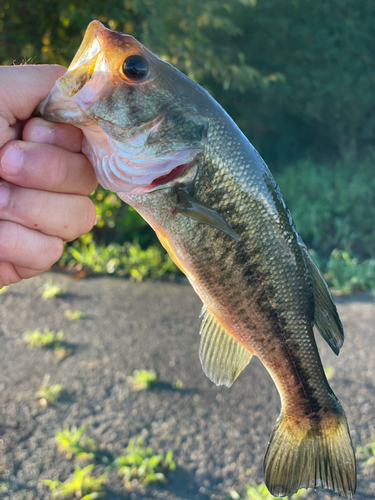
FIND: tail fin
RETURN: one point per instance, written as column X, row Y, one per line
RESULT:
column 310, row 455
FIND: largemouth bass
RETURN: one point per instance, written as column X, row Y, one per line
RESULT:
column 167, row 148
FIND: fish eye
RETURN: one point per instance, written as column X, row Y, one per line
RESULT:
column 135, row 67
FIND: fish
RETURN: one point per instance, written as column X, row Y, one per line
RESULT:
column 168, row 149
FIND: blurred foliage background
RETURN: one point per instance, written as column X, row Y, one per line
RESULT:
column 297, row 76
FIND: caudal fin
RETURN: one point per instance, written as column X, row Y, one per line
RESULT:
column 310, row 455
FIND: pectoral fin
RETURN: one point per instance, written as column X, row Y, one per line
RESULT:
column 202, row 213
column 326, row 318
column 223, row 358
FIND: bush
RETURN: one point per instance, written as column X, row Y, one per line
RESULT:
column 348, row 275
column 128, row 260
column 333, row 207
column 117, row 222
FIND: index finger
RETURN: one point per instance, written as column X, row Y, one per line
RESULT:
column 22, row 88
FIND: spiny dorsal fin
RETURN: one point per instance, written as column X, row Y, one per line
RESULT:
column 326, row 318
column 223, row 358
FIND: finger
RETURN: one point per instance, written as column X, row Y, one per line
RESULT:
column 13, row 274
column 66, row 216
column 10, row 133
column 62, row 135
column 22, row 88
column 46, row 167
column 24, row 247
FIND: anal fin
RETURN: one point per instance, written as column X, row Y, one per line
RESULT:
column 223, row 358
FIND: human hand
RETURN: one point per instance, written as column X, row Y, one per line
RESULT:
column 44, row 177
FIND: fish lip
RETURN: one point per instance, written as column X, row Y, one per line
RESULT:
column 83, row 54
column 52, row 109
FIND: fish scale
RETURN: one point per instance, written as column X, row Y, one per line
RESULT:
column 220, row 215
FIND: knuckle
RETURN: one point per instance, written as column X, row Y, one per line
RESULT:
column 25, row 247
column 89, row 215
column 9, row 239
column 89, row 181
column 86, row 221
column 61, row 169
column 54, row 250
column 73, row 173
column 92, row 184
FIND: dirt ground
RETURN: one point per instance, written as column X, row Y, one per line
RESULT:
column 218, row 435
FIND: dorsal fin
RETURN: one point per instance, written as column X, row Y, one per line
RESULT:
column 326, row 318
column 223, row 358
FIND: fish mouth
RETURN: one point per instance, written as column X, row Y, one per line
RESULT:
column 89, row 72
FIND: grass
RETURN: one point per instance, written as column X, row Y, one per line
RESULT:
column 49, row 340
column 74, row 315
column 51, row 290
column 128, row 260
column 260, row 492
column 143, row 379
column 4, row 486
column 48, row 394
column 329, row 371
column 367, row 454
column 179, row 384
column 82, row 484
column 73, row 444
column 46, row 338
column 140, row 463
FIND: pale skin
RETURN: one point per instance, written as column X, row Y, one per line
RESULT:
column 44, row 177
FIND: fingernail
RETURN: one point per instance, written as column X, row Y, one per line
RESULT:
column 42, row 133
column 12, row 161
column 4, row 195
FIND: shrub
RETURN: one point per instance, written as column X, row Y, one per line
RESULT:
column 332, row 206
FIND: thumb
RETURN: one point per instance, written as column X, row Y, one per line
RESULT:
column 23, row 87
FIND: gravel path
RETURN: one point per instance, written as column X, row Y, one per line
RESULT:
column 218, row 435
